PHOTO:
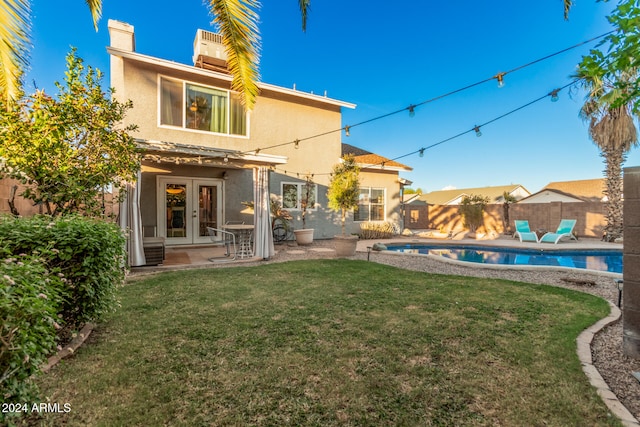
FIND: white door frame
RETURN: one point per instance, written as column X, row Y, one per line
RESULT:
column 192, row 214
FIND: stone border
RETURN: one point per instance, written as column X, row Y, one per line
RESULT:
column 70, row 348
column 584, row 354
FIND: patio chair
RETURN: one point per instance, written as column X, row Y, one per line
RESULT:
column 223, row 238
column 523, row 232
column 565, row 230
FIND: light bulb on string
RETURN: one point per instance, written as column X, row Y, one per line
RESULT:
column 296, row 144
column 477, row 130
column 346, row 130
column 554, row 95
column 421, row 152
column 412, row 110
column 500, row 78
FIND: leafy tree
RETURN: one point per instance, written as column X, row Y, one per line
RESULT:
column 618, row 55
column 472, row 209
column 237, row 22
column 68, row 149
column 409, row 190
column 344, row 187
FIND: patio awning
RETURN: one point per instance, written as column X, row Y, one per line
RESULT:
column 172, row 152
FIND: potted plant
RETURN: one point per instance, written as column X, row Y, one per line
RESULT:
column 304, row 236
column 343, row 195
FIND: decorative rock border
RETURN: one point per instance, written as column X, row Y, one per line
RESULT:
column 584, row 354
column 69, row 349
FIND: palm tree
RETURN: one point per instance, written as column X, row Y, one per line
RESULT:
column 15, row 26
column 507, row 199
column 612, row 129
column 237, row 22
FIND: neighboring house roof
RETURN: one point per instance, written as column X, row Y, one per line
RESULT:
column 454, row 197
column 586, row 190
column 369, row 160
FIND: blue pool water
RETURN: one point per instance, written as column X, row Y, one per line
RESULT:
column 601, row 260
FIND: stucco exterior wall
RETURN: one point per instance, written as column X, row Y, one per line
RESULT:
column 324, row 221
column 276, row 120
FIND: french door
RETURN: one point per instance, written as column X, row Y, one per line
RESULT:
column 186, row 207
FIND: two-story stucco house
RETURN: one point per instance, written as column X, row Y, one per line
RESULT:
column 204, row 155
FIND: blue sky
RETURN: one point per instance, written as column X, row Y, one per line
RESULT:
column 385, row 56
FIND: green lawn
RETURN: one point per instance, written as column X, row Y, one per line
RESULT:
column 332, row 342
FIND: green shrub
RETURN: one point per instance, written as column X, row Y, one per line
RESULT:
column 29, row 299
column 472, row 210
column 376, row 230
column 88, row 255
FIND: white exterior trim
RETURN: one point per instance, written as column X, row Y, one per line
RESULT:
column 134, row 56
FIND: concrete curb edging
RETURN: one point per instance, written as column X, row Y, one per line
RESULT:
column 70, row 348
column 584, row 354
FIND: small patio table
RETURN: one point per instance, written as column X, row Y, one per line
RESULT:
column 244, row 232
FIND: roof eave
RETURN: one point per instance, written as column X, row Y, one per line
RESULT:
column 135, row 56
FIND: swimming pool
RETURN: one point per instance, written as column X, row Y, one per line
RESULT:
column 600, row 260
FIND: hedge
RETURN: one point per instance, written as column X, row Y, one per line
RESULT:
column 55, row 275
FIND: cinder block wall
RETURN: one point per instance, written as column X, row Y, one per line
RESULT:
column 590, row 217
column 631, row 262
column 26, row 207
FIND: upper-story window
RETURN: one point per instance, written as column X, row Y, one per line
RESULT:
column 208, row 109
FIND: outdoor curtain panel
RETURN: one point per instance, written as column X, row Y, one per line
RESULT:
column 131, row 222
column 263, row 239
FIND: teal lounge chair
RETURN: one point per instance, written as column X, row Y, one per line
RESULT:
column 523, row 232
column 565, row 229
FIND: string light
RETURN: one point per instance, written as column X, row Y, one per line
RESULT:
column 499, row 77
column 412, row 110
column 297, row 144
column 257, row 151
column 554, row 95
column 475, row 128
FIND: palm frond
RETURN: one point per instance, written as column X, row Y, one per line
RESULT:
column 567, row 6
column 237, row 24
column 15, row 26
column 305, row 5
column 95, row 7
